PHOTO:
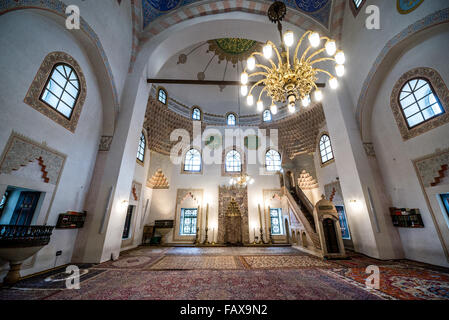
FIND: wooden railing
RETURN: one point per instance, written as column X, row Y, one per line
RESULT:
column 24, row 236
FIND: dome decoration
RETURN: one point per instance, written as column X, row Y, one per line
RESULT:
column 233, row 49
column 158, row 181
column 306, row 181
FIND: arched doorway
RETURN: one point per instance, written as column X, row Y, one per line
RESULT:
column 330, row 235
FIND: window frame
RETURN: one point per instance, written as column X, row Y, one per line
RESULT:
column 40, row 82
column 441, row 93
column 266, row 162
column 159, row 94
column 416, row 101
column 325, row 134
column 226, row 162
column 227, row 119
column 354, row 9
column 184, row 163
column 49, row 78
column 181, row 223
column 200, row 113
column 140, row 147
column 280, row 218
column 266, row 111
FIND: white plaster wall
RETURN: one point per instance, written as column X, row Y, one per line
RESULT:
column 113, row 25
column 362, row 46
column 395, row 155
column 26, row 39
column 163, row 202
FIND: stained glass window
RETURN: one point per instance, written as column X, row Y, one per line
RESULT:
column 233, row 161
column 273, row 161
column 196, row 114
column 326, row 149
column 192, row 161
column 231, row 120
column 62, row 90
column 162, row 96
column 188, row 222
column 276, row 221
column 267, row 116
column 142, row 146
column 419, row 102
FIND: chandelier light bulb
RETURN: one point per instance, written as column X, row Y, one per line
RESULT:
column 244, row 90
column 250, row 100
column 314, row 39
column 289, row 38
column 251, row 63
column 274, row 108
column 340, row 57
column 340, row 70
column 244, row 78
column 291, row 107
column 260, row 105
column 306, row 101
column 333, row 82
column 267, row 51
column 331, row 47
column 318, row 95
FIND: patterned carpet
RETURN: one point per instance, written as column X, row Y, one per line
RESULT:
column 253, row 273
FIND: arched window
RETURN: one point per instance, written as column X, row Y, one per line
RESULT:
column 326, row 149
column 267, row 116
column 273, row 161
column 162, row 96
column 62, row 89
column 142, row 147
column 233, row 162
column 196, row 114
column 192, row 161
column 419, row 102
column 231, row 121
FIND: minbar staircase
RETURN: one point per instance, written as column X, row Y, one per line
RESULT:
column 303, row 210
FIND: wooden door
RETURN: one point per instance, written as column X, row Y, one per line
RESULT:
column 330, row 235
column 24, row 211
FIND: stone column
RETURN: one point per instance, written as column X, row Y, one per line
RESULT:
column 101, row 237
column 369, row 220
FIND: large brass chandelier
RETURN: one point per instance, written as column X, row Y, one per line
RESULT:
column 294, row 77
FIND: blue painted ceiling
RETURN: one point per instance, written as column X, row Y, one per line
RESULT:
column 320, row 10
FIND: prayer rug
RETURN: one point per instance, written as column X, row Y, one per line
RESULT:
column 285, row 262
column 197, row 262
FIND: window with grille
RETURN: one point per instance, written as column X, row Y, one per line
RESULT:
column 419, row 102
column 267, row 116
column 162, row 96
column 233, row 161
column 231, row 120
column 273, row 161
column 196, row 114
column 192, row 161
column 326, row 149
column 62, row 90
column 141, row 149
column 276, row 221
column 188, row 222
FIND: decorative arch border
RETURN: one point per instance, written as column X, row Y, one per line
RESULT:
column 183, row 162
column 436, row 18
column 440, row 88
column 58, row 7
column 242, row 153
column 206, row 8
column 40, row 81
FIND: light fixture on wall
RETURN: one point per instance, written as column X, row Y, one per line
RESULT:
column 293, row 78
